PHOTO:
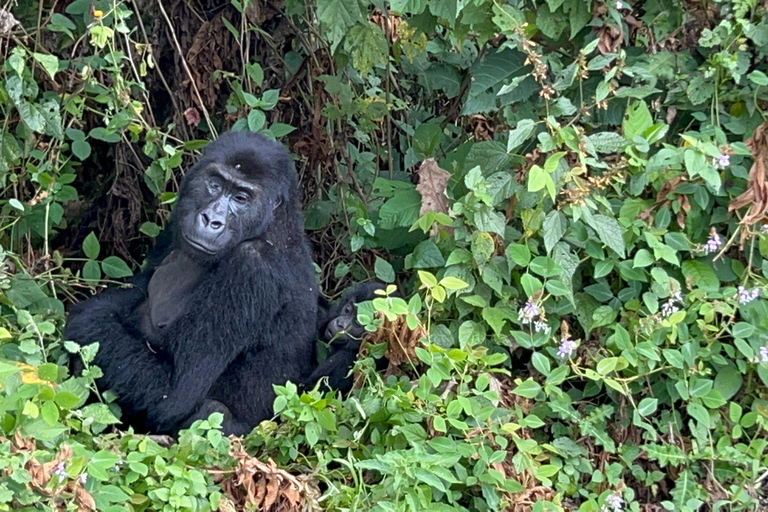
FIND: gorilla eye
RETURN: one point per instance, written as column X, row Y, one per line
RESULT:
column 348, row 309
column 214, row 186
column 242, row 197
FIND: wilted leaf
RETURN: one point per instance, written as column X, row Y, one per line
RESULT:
column 756, row 195
column 432, row 183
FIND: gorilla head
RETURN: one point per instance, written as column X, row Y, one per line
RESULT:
column 230, row 197
column 338, row 323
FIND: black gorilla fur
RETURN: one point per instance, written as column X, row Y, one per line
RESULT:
column 337, row 324
column 235, row 309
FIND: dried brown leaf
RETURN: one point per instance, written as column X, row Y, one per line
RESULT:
column 432, row 183
column 263, row 486
column 756, row 195
column 192, row 116
column 84, row 500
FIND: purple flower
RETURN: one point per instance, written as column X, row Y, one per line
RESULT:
column 529, row 312
column 764, row 354
column 567, row 348
column 747, row 296
column 615, row 502
column 714, row 243
column 59, row 470
column 541, row 326
column 722, row 161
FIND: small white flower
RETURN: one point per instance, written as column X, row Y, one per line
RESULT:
column 746, row 296
column 764, row 354
column 669, row 308
column 541, row 326
column 529, row 312
column 619, row 5
column 83, row 478
column 764, row 229
column 567, row 348
column 615, row 502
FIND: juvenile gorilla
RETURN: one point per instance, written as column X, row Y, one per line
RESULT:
column 227, row 306
column 337, row 323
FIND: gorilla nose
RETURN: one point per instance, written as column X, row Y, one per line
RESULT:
column 212, row 222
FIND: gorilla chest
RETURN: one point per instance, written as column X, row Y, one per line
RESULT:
column 170, row 292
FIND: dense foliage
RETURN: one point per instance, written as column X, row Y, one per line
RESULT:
column 571, row 196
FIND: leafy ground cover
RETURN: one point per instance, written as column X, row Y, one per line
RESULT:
column 570, row 195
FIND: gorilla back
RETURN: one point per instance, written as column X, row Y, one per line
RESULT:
column 226, row 307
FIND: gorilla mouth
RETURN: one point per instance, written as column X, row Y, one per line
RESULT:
column 200, row 246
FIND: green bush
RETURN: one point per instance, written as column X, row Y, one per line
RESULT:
column 584, row 257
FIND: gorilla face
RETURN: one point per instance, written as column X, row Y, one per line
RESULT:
column 226, row 201
column 345, row 322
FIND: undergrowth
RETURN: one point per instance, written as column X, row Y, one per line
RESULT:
column 571, row 196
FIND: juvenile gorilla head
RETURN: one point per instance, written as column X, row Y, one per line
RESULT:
column 229, row 197
column 340, row 320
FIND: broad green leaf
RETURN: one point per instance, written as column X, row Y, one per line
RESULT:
column 91, row 246
column 701, row 275
column 115, row 267
column 520, row 134
column 647, row 406
column 528, row 389
column 384, row 270
column 610, row 232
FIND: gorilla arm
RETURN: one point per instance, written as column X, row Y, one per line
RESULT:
column 170, row 391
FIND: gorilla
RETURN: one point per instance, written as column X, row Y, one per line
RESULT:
column 337, row 324
column 227, row 304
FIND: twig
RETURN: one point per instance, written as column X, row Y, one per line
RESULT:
column 186, row 69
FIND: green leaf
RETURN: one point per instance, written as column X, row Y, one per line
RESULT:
column 553, row 229
column 701, row 275
column 48, row 371
column 426, row 255
column 81, row 149
column 50, row 63
column 728, row 381
column 91, row 271
column 256, row 120
column 115, row 267
column 429, row 478
column 647, row 406
column 326, row 419
column 541, row 363
column 50, row 413
column 742, row 330
column 520, row 134
column 111, row 493
column 91, row 246
column 539, row 179
column 637, row 119
column 366, row 44
column 609, row 231
column 519, row 254
column 312, row 431
column 528, row 389
column 608, row 142
column 384, row 270
column 104, row 135
column 67, row 400
column 401, row 210
column 699, row 413
column 337, row 17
